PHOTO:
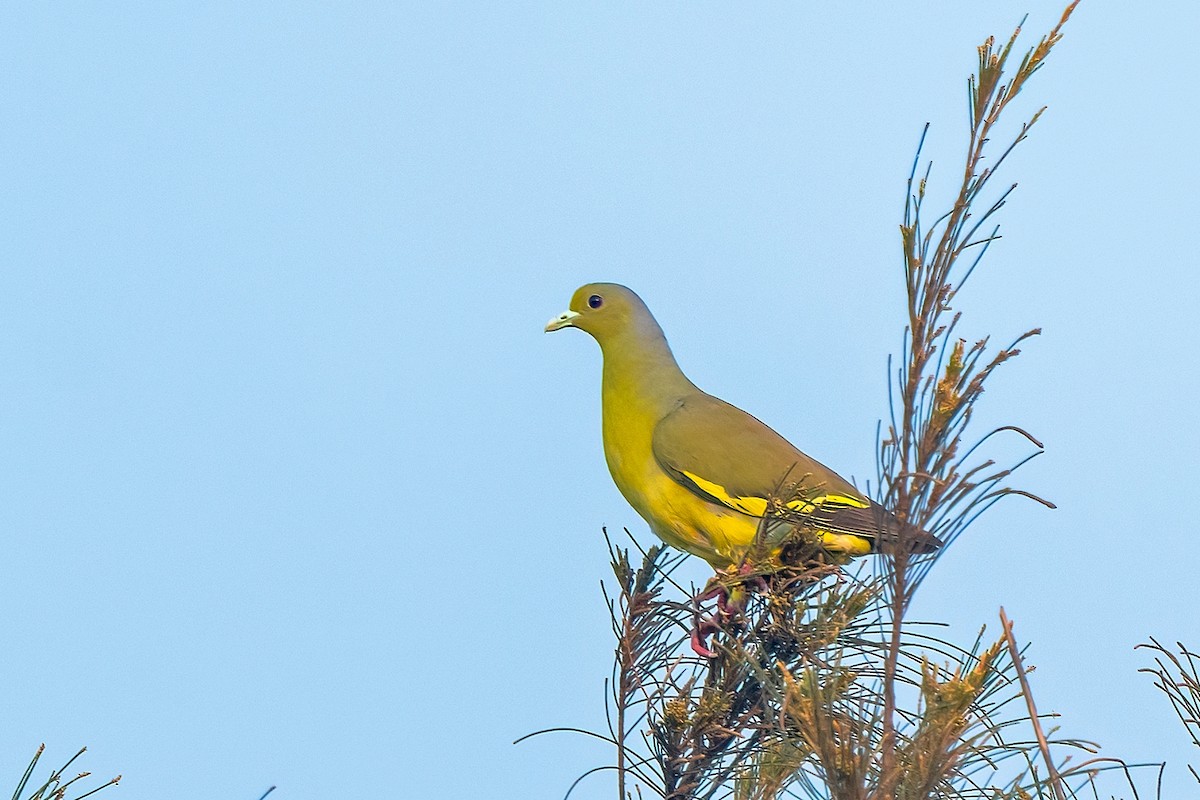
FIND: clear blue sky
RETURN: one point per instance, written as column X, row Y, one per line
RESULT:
column 298, row 492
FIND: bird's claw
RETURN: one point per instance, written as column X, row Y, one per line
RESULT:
column 730, row 603
column 700, row 632
column 698, row 645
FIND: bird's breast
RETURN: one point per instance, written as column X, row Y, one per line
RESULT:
column 675, row 514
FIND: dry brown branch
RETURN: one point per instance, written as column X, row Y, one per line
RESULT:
column 1054, row 781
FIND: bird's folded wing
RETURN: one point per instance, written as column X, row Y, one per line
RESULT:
column 726, row 456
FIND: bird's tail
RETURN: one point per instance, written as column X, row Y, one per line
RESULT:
column 883, row 529
column 894, row 535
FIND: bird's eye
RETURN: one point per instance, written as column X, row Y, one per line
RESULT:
column 595, row 301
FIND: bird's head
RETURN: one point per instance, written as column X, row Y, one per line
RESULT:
column 605, row 310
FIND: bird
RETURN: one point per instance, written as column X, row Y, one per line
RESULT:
column 703, row 473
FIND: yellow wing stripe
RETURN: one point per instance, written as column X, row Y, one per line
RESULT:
column 757, row 506
column 845, row 543
column 754, row 506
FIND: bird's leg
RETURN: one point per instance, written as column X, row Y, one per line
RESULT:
column 730, row 603
column 700, row 631
column 749, row 578
column 703, row 626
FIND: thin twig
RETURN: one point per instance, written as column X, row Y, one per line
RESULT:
column 1014, row 652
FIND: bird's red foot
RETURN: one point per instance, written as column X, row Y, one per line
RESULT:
column 730, row 602
column 700, row 632
column 705, row 626
column 698, row 645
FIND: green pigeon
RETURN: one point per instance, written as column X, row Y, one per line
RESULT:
column 701, row 472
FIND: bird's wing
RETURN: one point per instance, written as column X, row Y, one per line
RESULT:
column 726, row 456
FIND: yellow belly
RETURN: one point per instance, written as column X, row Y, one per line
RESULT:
column 719, row 535
column 676, row 515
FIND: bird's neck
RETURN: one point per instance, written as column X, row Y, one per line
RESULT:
column 642, row 372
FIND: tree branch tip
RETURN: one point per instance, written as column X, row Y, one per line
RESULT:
column 1067, row 13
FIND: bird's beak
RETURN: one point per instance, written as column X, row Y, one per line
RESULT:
column 564, row 320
